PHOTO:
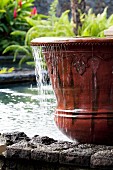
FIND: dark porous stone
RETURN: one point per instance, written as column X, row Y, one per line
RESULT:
column 92, row 148
column 1, row 164
column 38, row 155
column 9, row 165
column 78, row 155
column 18, row 150
column 42, row 140
column 46, row 140
column 102, row 159
column 62, row 145
column 15, row 137
column 42, row 153
column 52, row 157
column 48, row 150
column 101, row 148
column 85, row 146
column 18, row 77
column 81, row 159
column 15, row 153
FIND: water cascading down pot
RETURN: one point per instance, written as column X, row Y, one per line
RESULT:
column 81, row 72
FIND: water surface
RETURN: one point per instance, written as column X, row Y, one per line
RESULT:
column 25, row 108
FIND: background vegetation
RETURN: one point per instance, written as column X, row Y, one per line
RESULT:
column 20, row 23
column 13, row 26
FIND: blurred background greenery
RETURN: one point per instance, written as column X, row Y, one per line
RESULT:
column 21, row 22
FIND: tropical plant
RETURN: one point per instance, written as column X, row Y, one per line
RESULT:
column 6, row 70
column 13, row 26
column 43, row 26
column 94, row 25
column 48, row 28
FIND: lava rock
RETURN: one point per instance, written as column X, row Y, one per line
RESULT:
column 52, row 157
column 69, row 157
column 102, row 159
column 62, row 145
column 19, row 150
column 42, row 140
column 14, row 137
column 18, row 77
column 48, row 150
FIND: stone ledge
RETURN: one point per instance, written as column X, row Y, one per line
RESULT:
column 48, row 150
column 18, row 76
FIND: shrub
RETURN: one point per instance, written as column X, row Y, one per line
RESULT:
column 26, row 25
column 94, row 25
column 13, row 25
column 45, row 26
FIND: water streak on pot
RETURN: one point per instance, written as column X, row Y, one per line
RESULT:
column 81, row 75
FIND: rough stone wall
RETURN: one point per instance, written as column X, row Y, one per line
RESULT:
column 97, row 5
column 44, row 153
column 44, row 5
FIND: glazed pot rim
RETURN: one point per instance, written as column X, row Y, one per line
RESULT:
column 67, row 40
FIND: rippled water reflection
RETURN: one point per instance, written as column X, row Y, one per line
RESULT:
column 25, row 108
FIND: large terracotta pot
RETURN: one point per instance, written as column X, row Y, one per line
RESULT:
column 81, row 71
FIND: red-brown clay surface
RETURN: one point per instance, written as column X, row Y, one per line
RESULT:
column 81, row 71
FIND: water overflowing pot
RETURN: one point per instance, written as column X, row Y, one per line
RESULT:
column 81, row 72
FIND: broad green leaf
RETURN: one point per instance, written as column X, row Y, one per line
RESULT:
column 18, row 33
column 2, row 10
column 16, row 47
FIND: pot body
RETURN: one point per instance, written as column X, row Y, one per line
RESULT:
column 81, row 72
column 82, row 79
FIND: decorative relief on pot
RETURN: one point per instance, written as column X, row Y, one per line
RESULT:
column 80, row 63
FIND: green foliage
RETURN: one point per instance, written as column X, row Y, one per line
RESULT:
column 49, row 26
column 45, row 28
column 13, row 23
column 94, row 25
column 41, row 26
column 6, row 70
column 52, row 11
column 19, row 49
column 17, row 33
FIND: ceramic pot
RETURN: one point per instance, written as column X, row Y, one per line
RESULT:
column 81, row 72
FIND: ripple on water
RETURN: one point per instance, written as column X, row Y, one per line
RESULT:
column 26, row 109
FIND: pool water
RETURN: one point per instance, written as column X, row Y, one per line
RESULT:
column 31, row 110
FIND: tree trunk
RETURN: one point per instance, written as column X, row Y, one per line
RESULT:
column 77, row 7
